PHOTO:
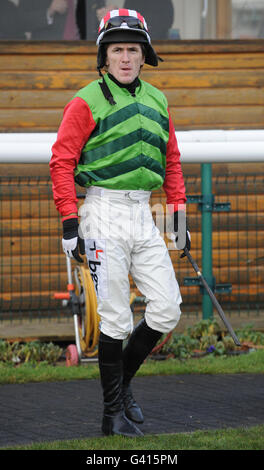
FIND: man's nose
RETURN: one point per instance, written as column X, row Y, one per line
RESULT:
column 125, row 56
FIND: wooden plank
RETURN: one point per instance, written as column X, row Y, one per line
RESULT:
column 162, row 79
column 53, row 327
column 51, row 225
column 47, row 47
column 23, row 170
column 30, row 128
column 33, row 282
column 209, row 46
column 15, row 189
column 31, row 189
column 224, row 257
column 41, row 280
column 180, row 126
column 27, row 302
column 170, row 46
column 242, row 275
column 59, row 62
column 205, row 78
column 28, row 209
column 191, row 173
column 241, row 294
column 45, row 62
column 240, row 184
column 228, row 257
column 229, row 239
column 212, row 61
column 243, row 183
column 214, row 96
column 41, row 262
column 230, row 220
column 239, row 203
column 34, row 227
column 232, row 169
column 190, row 294
column 189, row 117
column 46, row 80
column 39, row 99
column 244, row 202
column 37, row 263
column 242, row 220
column 17, row 246
column 218, row 117
column 203, row 126
column 29, row 118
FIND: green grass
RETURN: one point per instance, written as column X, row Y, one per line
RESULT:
column 224, row 439
column 252, row 362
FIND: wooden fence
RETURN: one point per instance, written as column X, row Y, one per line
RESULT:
column 209, row 84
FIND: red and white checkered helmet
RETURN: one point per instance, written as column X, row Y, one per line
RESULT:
column 124, row 25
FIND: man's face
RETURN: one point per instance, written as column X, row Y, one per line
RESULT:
column 124, row 61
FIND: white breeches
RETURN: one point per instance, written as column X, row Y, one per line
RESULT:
column 121, row 238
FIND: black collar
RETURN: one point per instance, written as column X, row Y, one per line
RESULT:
column 131, row 87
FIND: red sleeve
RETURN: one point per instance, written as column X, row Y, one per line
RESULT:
column 74, row 131
column 173, row 183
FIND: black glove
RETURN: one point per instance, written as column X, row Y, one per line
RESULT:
column 72, row 243
column 180, row 220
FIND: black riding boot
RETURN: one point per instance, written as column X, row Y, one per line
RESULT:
column 139, row 346
column 111, row 371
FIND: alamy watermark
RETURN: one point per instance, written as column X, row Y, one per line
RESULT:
column 138, row 220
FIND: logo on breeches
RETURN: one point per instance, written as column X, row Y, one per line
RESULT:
column 94, row 265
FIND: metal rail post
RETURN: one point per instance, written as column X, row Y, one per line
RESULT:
column 207, row 208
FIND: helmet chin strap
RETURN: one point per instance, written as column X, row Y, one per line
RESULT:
column 131, row 87
column 105, row 90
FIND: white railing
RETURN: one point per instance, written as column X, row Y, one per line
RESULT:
column 212, row 146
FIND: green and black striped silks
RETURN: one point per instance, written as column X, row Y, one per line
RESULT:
column 127, row 149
